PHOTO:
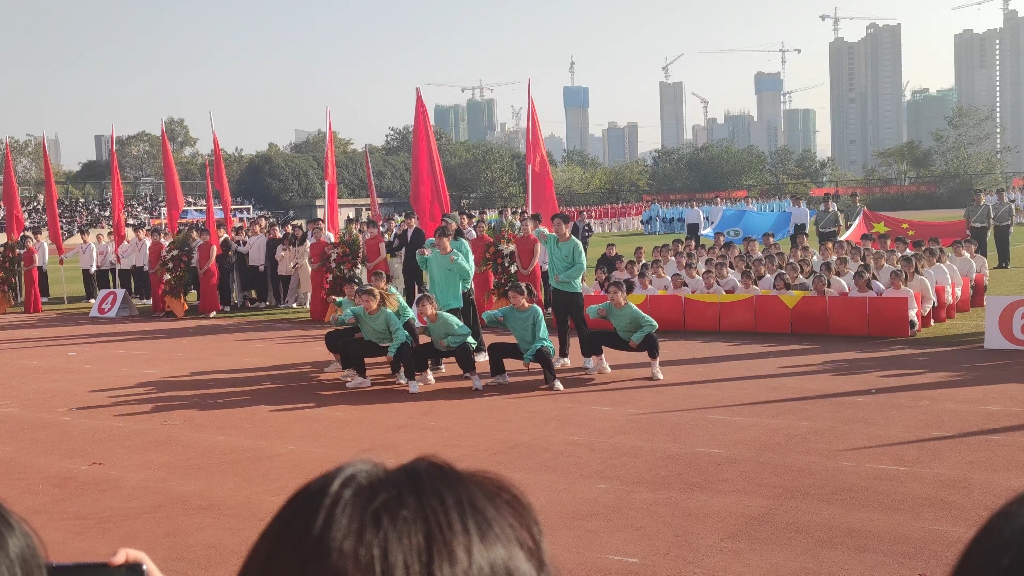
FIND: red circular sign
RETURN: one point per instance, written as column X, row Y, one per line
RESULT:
column 1007, row 318
column 106, row 303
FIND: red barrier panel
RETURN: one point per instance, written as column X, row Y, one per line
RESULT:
column 700, row 315
column 951, row 308
column 667, row 311
column 922, row 321
column 978, row 299
column 964, row 303
column 939, row 309
column 887, row 317
column 600, row 323
column 810, row 315
column 641, row 301
column 848, row 316
column 772, row 315
column 737, row 314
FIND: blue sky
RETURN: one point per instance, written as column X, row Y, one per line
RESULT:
column 267, row 67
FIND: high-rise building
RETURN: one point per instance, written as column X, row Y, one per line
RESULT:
column 768, row 91
column 673, row 114
column 739, row 128
column 481, row 118
column 102, row 143
column 555, row 145
column 576, row 100
column 800, row 129
column 866, row 79
column 975, row 61
column 620, row 143
column 596, row 146
column 717, row 129
column 632, row 141
column 452, row 120
column 1011, row 83
column 927, row 112
column 53, row 148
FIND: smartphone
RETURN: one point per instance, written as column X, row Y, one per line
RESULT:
column 95, row 569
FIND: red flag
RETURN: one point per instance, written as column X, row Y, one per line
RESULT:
column 116, row 196
column 331, row 223
column 52, row 212
column 540, row 184
column 220, row 178
column 172, row 186
column 374, row 206
column 211, row 215
column 12, row 202
column 876, row 223
column 429, row 194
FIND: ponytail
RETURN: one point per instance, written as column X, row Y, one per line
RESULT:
column 522, row 289
column 384, row 298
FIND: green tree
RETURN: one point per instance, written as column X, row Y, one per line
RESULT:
column 817, row 171
column 903, row 162
column 139, row 156
column 27, row 157
column 967, row 147
column 179, row 136
column 314, row 146
column 278, row 180
column 398, row 141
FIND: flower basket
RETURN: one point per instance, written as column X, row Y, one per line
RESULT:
column 342, row 259
column 10, row 268
column 501, row 253
column 176, row 305
column 175, row 264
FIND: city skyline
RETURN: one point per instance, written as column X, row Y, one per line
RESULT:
column 59, row 82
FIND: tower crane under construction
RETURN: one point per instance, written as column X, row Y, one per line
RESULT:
column 669, row 63
column 787, row 96
column 704, row 104
column 835, row 17
column 1006, row 5
column 480, row 88
column 782, row 49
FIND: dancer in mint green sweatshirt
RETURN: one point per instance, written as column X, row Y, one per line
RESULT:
column 449, row 338
column 526, row 322
column 633, row 331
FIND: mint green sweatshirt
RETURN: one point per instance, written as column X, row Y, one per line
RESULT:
column 460, row 245
column 404, row 313
column 343, row 303
column 381, row 328
column 567, row 261
column 629, row 322
column 445, row 277
column 448, row 332
column 528, row 327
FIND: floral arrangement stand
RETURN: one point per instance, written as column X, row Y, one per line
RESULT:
column 342, row 259
column 10, row 268
column 501, row 253
column 175, row 263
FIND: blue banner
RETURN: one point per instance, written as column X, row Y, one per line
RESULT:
column 738, row 224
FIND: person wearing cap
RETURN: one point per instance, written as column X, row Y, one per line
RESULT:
column 800, row 218
column 853, row 211
column 827, row 222
column 978, row 219
column 1002, row 228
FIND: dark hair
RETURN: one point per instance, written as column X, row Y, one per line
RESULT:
column 442, row 231
column 918, row 245
column 867, row 236
column 379, row 275
column 561, row 216
column 536, row 217
column 747, row 274
column 36, row 230
column 347, row 280
column 785, row 281
column 995, row 549
column 826, row 265
column 371, row 223
column 424, row 517
column 523, row 289
column 899, row 272
column 409, row 214
column 935, row 239
column 929, row 251
column 23, row 554
column 625, row 286
column 428, row 298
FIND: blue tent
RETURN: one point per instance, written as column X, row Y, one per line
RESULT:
column 737, row 224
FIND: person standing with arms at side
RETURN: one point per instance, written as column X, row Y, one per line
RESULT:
column 800, row 218
column 528, row 259
column 140, row 257
column 86, row 253
column 1002, row 227
column 156, row 273
column 318, row 276
column 826, row 222
column 104, row 262
column 374, row 250
column 209, row 300
column 694, row 220
column 583, row 230
column 225, row 266
column 124, row 268
column 42, row 262
column 483, row 277
column 256, row 248
column 853, row 211
column 978, row 218
column 538, row 223
column 270, row 258
column 566, row 265
column 29, row 264
column 716, row 210
column 408, row 242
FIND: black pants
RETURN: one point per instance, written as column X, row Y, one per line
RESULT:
column 1001, row 234
column 224, row 284
column 693, row 231
column 89, row 281
column 258, row 280
column 600, row 339
column 193, row 280
column 463, row 355
column 275, row 285
column 359, row 350
column 103, row 279
column 113, row 276
column 828, row 236
column 545, row 280
column 797, row 228
column 124, row 279
column 44, row 283
column 141, row 280
column 413, row 277
column 569, row 306
column 980, row 235
column 499, row 351
column 471, row 318
column 338, row 341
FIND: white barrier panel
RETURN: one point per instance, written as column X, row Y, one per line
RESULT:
column 112, row 304
column 1004, row 322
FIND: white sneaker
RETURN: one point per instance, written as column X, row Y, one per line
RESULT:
column 359, row 382
column 439, row 369
column 656, row 374
column 480, row 357
column 92, row 301
column 148, row 301
column 334, row 367
column 293, row 305
column 499, row 379
column 588, row 363
column 427, row 377
column 561, row 363
column 414, row 387
column 477, row 384
column 261, row 305
column 602, row 368
column 401, row 379
column 557, row 386
column 227, row 308
column 45, row 299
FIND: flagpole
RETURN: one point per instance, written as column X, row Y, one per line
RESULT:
column 65, row 285
column 117, row 257
column 529, row 163
column 327, row 185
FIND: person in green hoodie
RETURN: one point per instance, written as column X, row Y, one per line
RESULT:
column 447, row 271
column 566, row 265
column 379, row 280
column 383, row 335
column 526, row 322
column 634, row 331
column 470, row 314
column 337, row 340
column 450, row 338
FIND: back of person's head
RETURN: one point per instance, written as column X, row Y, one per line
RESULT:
column 997, row 548
column 20, row 552
column 420, row 519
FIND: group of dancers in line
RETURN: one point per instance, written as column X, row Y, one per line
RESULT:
column 374, row 321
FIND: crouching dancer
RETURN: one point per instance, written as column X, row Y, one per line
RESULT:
column 450, row 338
column 634, row 331
column 526, row 322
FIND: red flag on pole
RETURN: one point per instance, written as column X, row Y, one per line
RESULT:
column 211, row 215
column 172, row 186
column 331, row 223
column 876, row 223
column 52, row 212
column 429, row 192
column 540, row 184
column 220, row 178
column 12, row 202
column 374, row 206
column 116, row 196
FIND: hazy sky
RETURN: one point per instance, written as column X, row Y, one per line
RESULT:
column 267, row 67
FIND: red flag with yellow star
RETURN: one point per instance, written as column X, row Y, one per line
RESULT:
column 876, row 223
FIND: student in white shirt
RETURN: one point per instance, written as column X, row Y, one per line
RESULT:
column 874, row 284
column 781, row 285
column 708, row 285
column 715, row 212
column 862, row 285
column 660, row 280
column 964, row 264
column 679, row 287
column 916, row 282
column 42, row 249
column 879, row 268
column 843, row 271
column 104, row 262
column 676, row 264
column 770, row 270
column 256, row 249
column 800, row 218
column 747, row 283
column 645, row 287
column 819, row 286
column 694, row 220
column 838, row 285
column 86, row 253
column 941, row 274
column 124, row 268
column 898, row 290
column 980, row 262
column 140, row 265
column 620, row 272
column 725, row 280
column 954, row 274
column 796, row 280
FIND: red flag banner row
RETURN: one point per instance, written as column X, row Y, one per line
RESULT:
column 15, row 219
column 540, row 184
column 877, row 190
column 175, row 200
column 428, row 195
column 52, row 211
column 331, row 216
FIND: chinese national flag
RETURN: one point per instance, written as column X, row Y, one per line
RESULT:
column 540, row 185
column 331, row 217
column 220, row 178
column 12, row 202
column 429, row 192
column 876, row 223
column 116, row 195
column 172, row 186
column 52, row 212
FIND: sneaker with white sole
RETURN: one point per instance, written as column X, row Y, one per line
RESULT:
column 359, row 382
column 439, row 368
column 588, row 363
column 656, row 374
column 499, row 379
column 477, row 384
column 602, row 368
column 401, row 379
column 480, row 357
column 557, row 386
column 414, row 387
column 561, row 362
column 427, row 377
column 334, row 367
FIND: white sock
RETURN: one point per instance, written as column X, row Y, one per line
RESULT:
column 599, row 359
column 654, row 363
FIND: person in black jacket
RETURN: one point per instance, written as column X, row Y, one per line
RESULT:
column 273, row 241
column 225, row 267
column 582, row 230
column 410, row 240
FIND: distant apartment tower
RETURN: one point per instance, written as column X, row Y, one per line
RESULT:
column 620, row 143
column 1011, row 83
column 739, row 128
column 768, row 91
column 975, row 60
column 927, row 112
column 53, row 148
column 595, row 146
column 481, row 118
column 673, row 114
column 866, row 82
column 555, row 145
column 717, row 129
column 576, row 100
column 800, row 129
column 452, row 120
column 102, row 143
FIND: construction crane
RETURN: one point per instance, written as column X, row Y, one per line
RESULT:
column 481, row 87
column 1006, row 5
column 782, row 49
column 787, row 96
column 836, row 18
column 669, row 63
column 572, row 71
column 704, row 104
